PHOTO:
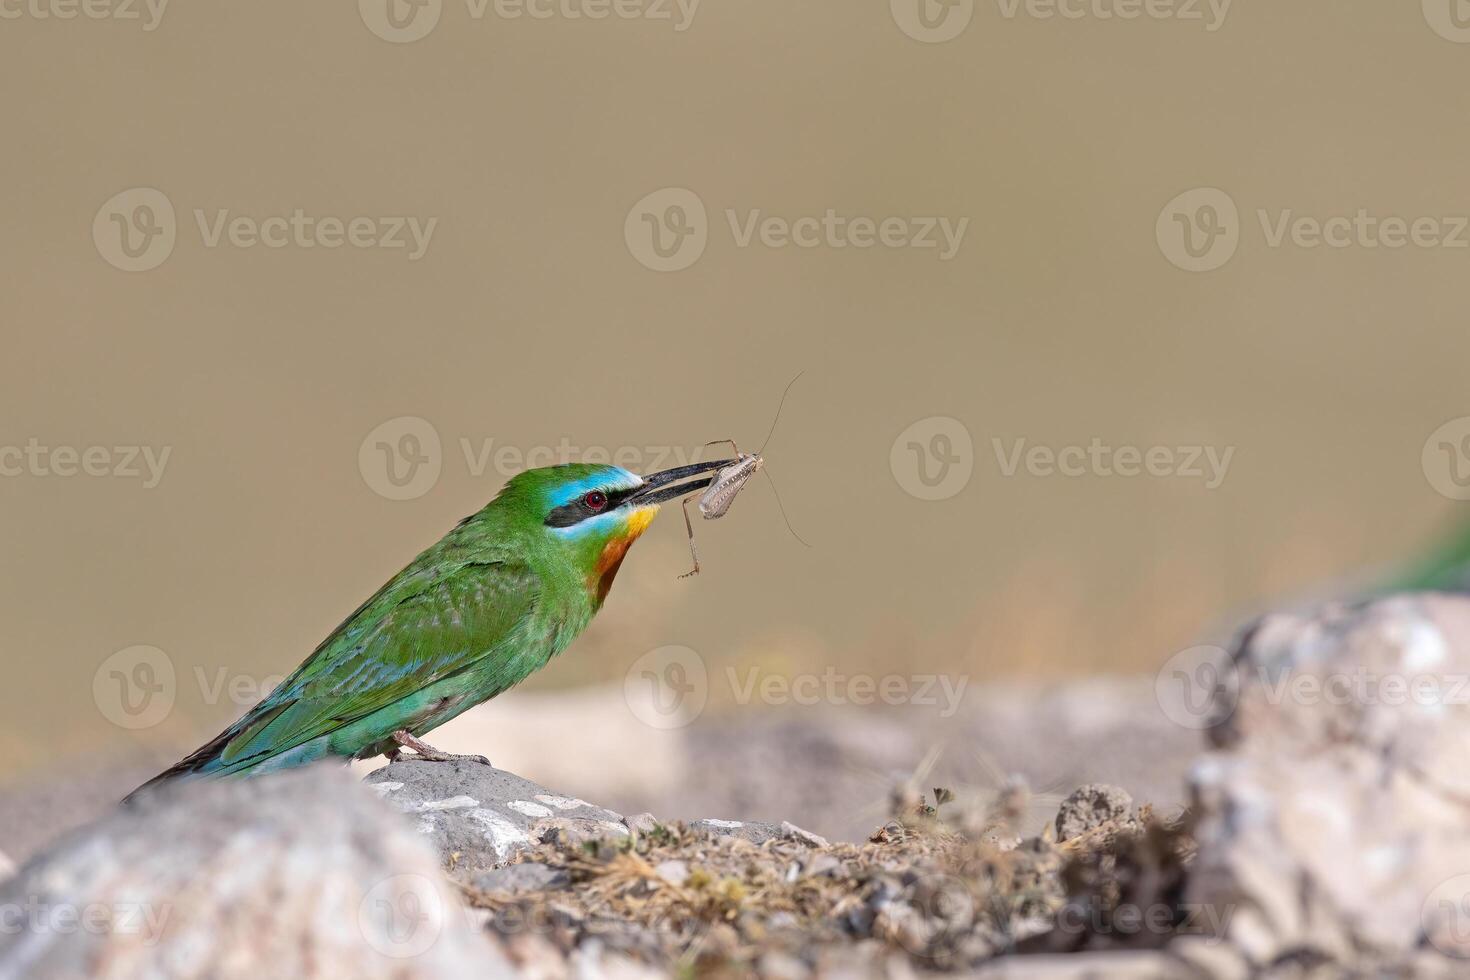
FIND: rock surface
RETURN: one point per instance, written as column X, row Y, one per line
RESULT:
column 756, row 831
column 1334, row 813
column 479, row 818
column 1329, row 836
column 1089, row 808
column 529, row 876
column 300, row 874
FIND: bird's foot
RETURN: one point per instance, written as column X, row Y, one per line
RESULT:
column 426, row 752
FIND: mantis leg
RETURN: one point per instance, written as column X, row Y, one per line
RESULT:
column 723, row 442
column 689, row 526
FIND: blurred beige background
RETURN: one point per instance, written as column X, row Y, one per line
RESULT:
column 529, row 319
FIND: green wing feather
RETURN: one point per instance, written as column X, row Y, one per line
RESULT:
column 433, row 621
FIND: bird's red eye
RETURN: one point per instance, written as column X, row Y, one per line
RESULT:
column 595, row 500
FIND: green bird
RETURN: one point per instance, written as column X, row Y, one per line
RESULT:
column 492, row 602
column 1444, row 568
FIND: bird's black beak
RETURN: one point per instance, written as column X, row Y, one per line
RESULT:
column 664, row 485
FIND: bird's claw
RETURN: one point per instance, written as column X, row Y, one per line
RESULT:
column 446, row 757
column 424, row 752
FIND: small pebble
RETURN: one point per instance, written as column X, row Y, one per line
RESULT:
column 792, row 831
column 674, row 872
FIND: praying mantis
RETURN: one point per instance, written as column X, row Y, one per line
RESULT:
column 716, row 499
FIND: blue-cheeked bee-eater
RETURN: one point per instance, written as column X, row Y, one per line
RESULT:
column 492, row 602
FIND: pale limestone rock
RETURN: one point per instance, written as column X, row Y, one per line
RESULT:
column 302, row 874
column 1334, row 813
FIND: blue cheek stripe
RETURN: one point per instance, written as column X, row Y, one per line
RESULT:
column 603, row 525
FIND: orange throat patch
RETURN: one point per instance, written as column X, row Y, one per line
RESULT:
column 616, row 549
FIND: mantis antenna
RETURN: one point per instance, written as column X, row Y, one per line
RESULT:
column 779, row 405
column 776, row 493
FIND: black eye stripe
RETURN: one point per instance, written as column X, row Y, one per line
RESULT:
column 576, row 512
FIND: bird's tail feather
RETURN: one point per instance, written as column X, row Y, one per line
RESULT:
column 194, row 763
column 212, row 758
